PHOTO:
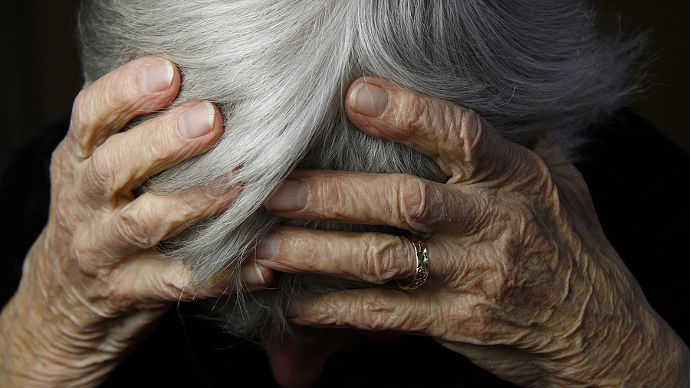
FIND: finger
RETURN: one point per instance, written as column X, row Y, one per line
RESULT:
column 151, row 279
column 463, row 144
column 370, row 257
column 250, row 276
column 150, row 219
column 126, row 159
column 402, row 201
column 104, row 107
column 376, row 309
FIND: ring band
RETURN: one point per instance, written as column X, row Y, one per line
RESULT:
column 422, row 268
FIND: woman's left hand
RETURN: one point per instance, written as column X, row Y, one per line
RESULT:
column 522, row 278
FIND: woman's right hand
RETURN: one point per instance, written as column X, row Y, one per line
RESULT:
column 92, row 282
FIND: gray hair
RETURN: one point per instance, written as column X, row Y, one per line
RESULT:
column 278, row 71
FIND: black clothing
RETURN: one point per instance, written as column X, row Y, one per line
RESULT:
column 639, row 183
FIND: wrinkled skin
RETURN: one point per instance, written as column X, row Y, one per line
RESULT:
column 92, row 284
column 522, row 278
column 523, row 281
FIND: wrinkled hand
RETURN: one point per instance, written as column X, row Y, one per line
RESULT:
column 522, row 279
column 92, row 282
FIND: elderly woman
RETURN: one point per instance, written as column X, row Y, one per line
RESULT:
column 460, row 131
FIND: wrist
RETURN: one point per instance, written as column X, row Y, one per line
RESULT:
column 664, row 358
column 44, row 351
column 619, row 340
column 652, row 355
column 50, row 338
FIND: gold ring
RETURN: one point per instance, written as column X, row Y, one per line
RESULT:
column 422, row 268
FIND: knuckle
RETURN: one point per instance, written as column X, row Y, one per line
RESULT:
column 326, row 312
column 479, row 321
column 471, row 132
column 159, row 150
column 331, row 197
column 122, row 98
column 502, row 281
column 178, row 286
column 374, row 314
column 98, row 175
column 383, row 260
column 467, row 133
column 471, row 127
column 415, row 113
column 84, row 259
column 88, row 259
column 415, row 207
column 80, row 113
column 187, row 212
column 483, row 328
column 119, row 93
column 518, row 221
column 117, row 298
column 132, row 230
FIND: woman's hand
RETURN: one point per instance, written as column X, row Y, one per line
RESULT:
column 92, row 283
column 522, row 279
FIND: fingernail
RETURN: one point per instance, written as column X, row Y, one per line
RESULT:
column 291, row 196
column 197, row 121
column 292, row 311
column 252, row 274
column 267, row 248
column 369, row 100
column 220, row 186
column 156, row 76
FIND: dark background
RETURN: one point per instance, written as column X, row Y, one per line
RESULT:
column 42, row 75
